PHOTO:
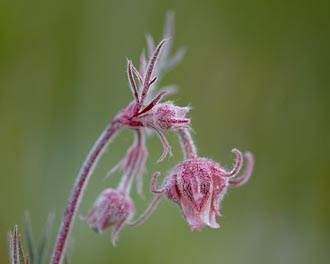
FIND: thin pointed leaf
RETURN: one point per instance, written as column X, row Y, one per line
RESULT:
column 168, row 33
column 117, row 167
column 21, row 250
column 170, row 89
column 143, row 63
column 132, row 81
column 29, row 237
column 150, row 45
column 138, row 75
column 169, row 25
column 150, row 69
column 175, row 59
column 165, row 144
column 15, row 246
column 153, row 102
column 153, row 81
column 44, row 241
column 11, row 249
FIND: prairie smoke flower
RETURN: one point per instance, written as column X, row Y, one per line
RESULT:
column 198, row 185
column 111, row 209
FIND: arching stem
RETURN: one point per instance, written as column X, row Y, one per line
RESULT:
column 147, row 212
column 78, row 190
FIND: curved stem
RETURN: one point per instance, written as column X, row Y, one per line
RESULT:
column 187, row 144
column 78, row 189
column 147, row 212
column 133, row 166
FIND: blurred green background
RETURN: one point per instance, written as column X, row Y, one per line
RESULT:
column 257, row 76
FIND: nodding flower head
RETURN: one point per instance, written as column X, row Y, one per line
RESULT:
column 198, row 185
column 111, row 209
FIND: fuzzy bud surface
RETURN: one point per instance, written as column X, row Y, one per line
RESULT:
column 111, row 209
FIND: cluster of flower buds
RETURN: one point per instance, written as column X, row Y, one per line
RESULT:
column 197, row 185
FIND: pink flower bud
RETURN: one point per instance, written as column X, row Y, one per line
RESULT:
column 169, row 116
column 157, row 116
column 165, row 116
column 111, row 209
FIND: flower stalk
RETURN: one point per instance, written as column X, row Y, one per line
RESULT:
column 78, row 190
column 187, row 144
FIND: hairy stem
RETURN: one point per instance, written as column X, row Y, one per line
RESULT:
column 187, row 144
column 126, row 182
column 147, row 212
column 78, row 189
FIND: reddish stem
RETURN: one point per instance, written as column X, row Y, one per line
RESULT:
column 148, row 212
column 78, row 189
column 187, row 144
column 126, row 183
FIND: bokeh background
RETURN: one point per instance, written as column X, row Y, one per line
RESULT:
column 257, row 76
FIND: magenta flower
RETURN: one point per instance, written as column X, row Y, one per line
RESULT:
column 198, row 185
column 111, row 209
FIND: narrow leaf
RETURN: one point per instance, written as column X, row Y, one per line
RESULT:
column 29, row 237
column 44, row 241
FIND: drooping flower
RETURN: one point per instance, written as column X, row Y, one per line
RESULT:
column 198, row 186
column 111, row 209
